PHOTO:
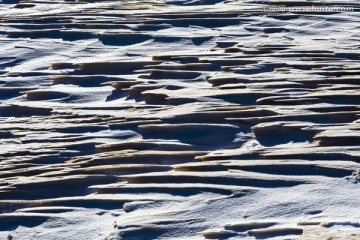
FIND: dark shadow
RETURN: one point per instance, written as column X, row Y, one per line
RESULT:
column 123, row 39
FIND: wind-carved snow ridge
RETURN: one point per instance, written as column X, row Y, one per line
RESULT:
column 178, row 119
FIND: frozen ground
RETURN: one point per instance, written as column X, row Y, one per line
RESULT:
column 178, row 119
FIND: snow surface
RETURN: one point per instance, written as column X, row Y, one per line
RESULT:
column 178, row 119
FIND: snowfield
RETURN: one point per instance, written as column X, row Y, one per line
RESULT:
column 179, row 119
